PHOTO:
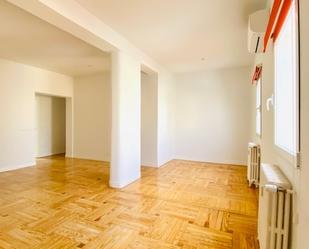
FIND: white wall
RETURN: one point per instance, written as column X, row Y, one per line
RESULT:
column 149, row 117
column 92, row 117
column 212, row 115
column 18, row 85
column 51, row 129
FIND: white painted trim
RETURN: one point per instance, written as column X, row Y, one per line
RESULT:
column 103, row 159
column 88, row 159
column 166, row 162
column 122, row 184
column 229, row 162
column 68, row 155
column 149, row 164
column 15, row 167
column 163, row 162
column 49, row 154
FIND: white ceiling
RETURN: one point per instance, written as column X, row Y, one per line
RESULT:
column 179, row 33
column 27, row 39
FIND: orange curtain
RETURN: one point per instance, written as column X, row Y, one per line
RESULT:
column 272, row 22
column 277, row 17
column 282, row 16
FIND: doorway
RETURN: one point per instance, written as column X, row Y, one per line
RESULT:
column 149, row 118
column 51, row 125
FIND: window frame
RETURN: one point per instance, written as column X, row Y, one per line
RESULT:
column 285, row 152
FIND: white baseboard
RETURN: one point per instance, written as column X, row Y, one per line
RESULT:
column 122, row 184
column 162, row 163
column 68, row 155
column 49, row 154
column 85, row 157
column 15, row 167
column 148, row 164
column 229, row 162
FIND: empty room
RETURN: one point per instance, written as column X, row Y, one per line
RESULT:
column 154, row 124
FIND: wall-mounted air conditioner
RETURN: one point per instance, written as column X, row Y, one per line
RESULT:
column 256, row 30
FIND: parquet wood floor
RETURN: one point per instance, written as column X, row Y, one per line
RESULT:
column 66, row 203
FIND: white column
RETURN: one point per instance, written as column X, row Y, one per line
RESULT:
column 126, row 120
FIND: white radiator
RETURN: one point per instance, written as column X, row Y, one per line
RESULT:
column 254, row 160
column 274, row 208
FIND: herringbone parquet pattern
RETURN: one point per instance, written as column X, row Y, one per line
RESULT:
column 66, row 203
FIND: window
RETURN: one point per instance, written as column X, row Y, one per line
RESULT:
column 286, row 85
column 258, row 125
